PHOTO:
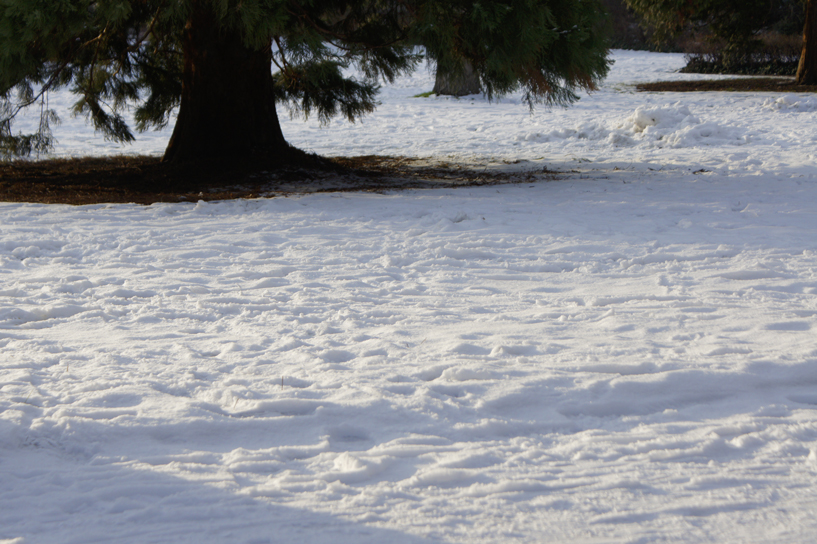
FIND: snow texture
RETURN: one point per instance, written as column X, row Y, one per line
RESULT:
column 624, row 354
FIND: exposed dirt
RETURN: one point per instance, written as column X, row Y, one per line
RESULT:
column 745, row 84
column 146, row 180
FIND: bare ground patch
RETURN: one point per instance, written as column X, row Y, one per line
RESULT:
column 146, row 180
column 744, row 84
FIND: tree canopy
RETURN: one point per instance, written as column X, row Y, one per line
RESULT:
column 226, row 63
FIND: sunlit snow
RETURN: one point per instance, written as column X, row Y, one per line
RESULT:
column 625, row 353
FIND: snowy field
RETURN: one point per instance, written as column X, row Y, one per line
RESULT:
column 625, row 354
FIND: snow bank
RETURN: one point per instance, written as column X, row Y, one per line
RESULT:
column 655, row 126
column 792, row 103
column 675, row 126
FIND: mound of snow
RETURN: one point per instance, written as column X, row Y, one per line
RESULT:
column 660, row 118
column 671, row 125
column 792, row 103
column 675, row 126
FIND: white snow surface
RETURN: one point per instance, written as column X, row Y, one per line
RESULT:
column 625, row 353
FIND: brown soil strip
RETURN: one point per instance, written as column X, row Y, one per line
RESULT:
column 748, row 84
column 146, row 180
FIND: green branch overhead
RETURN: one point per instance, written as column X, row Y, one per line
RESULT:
column 147, row 54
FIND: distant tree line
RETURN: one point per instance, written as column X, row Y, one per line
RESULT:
column 735, row 36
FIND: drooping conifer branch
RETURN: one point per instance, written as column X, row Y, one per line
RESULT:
column 210, row 60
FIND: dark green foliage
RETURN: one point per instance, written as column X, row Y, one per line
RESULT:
column 733, row 21
column 106, row 52
column 626, row 32
column 788, row 17
column 776, row 54
column 549, row 48
column 117, row 53
column 702, row 64
column 733, row 26
column 319, row 86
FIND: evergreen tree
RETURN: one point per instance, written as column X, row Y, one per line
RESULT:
column 736, row 22
column 226, row 63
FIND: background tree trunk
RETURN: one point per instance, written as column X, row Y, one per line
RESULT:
column 227, row 110
column 457, row 84
column 807, row 69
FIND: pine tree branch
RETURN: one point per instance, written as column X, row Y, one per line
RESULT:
column 325, row 31
column 286, row 68
column 43, row 90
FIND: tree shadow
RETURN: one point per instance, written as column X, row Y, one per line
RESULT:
column 51, row 493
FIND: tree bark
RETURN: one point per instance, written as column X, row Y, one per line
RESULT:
column 227, row 111
column 461, row 84
column 807, row 69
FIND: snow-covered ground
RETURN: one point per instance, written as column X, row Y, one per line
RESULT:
column 624, row 354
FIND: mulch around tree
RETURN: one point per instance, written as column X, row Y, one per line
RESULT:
column 746, row 84
column 147, row 180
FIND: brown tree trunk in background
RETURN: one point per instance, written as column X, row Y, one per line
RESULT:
column 807, row 69
column 457, row 85
column 227, row 112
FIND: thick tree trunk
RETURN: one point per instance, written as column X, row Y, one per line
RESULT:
column 457, row 84
column 227, row 112
column 807, row 69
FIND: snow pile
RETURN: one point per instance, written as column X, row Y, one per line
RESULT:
column 671, row 125
column 792, row 103
column 656, row 121
column 675, row 126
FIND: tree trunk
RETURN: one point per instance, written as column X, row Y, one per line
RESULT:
column 461, row 84
column 227, row 112
column 807, row 69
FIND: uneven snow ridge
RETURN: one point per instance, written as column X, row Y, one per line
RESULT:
column 624, row 354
